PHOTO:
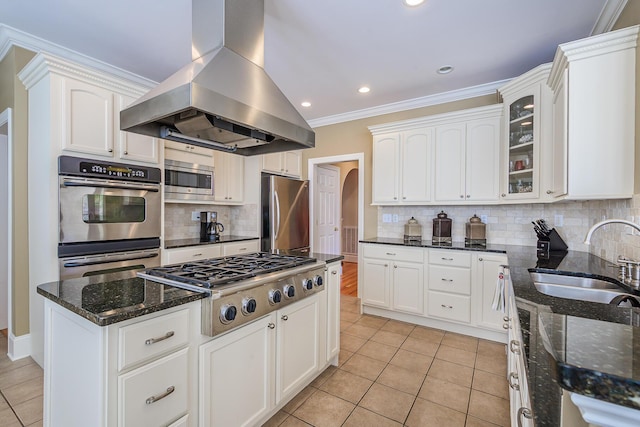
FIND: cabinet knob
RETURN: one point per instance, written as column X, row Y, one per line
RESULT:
column 524, row 412
column 479, row 259
column 386, row 265
column 395, row 266
column 395, row 198
column 334, row 272
column 462, row 196
column 468, row 195
column 271, row 325
column 126, row 153
column 503, row 195
column 513, row 385
column 285, row 317
column 404, row 197
column 549, row 192
column 110, row 150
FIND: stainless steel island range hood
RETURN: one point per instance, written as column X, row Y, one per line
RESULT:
column 223, row 99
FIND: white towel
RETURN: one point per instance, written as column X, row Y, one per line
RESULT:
column 498, row 296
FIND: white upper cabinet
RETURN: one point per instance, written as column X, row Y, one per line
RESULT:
column 288, row 163
column 228, row 181
column 134, row 146
column 467, row 158
column 527, row 134
column 593, row 81
column 402, row 166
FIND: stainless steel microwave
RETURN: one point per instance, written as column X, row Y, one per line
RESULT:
column 188, row 181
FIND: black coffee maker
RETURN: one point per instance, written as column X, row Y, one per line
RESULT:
column 210, row 228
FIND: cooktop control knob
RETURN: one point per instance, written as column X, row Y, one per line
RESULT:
column 275, row 296
column 289, row 291
column 307, row 284
column 249, row 306
column 318, row 281
column 228, row 313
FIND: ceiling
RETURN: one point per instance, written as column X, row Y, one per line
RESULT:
column 323, row 51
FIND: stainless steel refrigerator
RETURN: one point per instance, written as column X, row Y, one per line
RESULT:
column 285, row 214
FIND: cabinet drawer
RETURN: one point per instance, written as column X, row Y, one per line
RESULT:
column 175, row 256
column 182, row 422
column 449, row 306
column 155, row 394
column 394, row 252
column 244, row 247
column 150, row 338
column 457, row 259
column 450, row 279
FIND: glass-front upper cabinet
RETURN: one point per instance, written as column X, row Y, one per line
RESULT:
column 521, row 145
column 524, row 132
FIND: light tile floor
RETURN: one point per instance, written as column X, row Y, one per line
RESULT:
column 393, row 374
column 21, row 384
column 390, row 374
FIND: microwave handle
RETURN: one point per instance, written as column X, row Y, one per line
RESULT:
column 102, row 184
column 104, row 260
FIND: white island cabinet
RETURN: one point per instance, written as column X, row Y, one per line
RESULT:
column 158, row 369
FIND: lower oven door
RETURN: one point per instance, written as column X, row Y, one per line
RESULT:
column 93, row 210
column 91, row 265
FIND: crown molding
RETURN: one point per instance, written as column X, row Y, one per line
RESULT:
column 608, row 16
column 10, row 37
column 410, row 104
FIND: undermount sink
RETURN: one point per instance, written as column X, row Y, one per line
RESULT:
column 582, row 289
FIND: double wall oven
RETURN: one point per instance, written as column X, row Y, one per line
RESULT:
column 109, row 217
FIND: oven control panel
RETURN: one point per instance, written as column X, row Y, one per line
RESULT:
column 235, row 309
column 75, row 166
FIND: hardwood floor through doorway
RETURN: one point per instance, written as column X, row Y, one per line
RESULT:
column 349, row 279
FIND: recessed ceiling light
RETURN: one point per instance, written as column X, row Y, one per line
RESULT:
column 364, row 89
column 412, row 3
column 306, row 104
column 446, row 69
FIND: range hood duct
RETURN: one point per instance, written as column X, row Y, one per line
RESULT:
column 223, row 99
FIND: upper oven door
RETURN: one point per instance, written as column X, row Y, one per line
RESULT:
column 97, row 210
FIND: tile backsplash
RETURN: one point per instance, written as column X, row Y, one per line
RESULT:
column 511, row 224
column 237, row 220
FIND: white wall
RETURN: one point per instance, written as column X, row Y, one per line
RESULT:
column 4, row 202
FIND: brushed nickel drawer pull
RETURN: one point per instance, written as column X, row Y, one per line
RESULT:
column 391, row 253
column 446, row 280
column 447, row 259
column 523, row 412
column 197, row 255
column 513, row 376
column 154, row 399
column 446, row 306
column 162, row 338
column 513, row 349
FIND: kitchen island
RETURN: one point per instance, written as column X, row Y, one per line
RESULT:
column 557, row 354
column 121, row 350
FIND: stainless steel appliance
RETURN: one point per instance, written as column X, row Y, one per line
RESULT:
column 109, row 217
column 210, row 228
column 188, row 181
column 243, row 288
column 223, row 99
column 285, row 214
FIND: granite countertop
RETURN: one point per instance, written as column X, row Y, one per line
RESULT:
column 565, row 339
column 111, row 298
column 195, row 241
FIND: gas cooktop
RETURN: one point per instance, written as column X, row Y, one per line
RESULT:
column 214, row 272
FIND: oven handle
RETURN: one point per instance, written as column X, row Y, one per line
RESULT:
column 104, row 260
column 105, row 184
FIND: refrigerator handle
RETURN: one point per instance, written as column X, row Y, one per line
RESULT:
column 276, row 203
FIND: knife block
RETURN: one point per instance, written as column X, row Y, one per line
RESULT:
column 551, row 243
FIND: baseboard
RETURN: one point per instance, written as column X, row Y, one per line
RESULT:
column 19, row 347
column 351, row 258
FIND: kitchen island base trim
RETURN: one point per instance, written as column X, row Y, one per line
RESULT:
column 448, row 326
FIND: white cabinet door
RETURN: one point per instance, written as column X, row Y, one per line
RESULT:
column 416, row 169
column 298, row 345
column 133, row 146
column 333, row 309
column 87, row 118
column 244, row 247
column 293, row 163
column 229, row 178
column 450, row 163
column 559, row 148
column 272, row 163
column 386, row 149
column 375, row 283
column 237, row 375
column 486, row 275
column 408, row 287
column 482, row 160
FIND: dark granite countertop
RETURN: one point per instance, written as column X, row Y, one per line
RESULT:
column 183, row 243
column 558, row 354
column 111, row 298
column 429, row 244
